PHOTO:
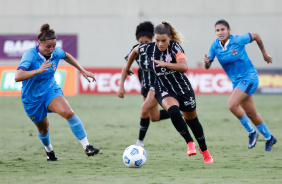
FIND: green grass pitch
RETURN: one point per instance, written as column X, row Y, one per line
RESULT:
column 112, row 124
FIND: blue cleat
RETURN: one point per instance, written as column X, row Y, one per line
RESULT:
column 270, row 143
column 253, row 139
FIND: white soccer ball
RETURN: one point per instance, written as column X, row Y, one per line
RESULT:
column 134, row 156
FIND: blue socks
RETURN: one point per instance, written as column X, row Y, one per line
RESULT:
column 247, row 124
column 45, row 138
column 262, row 128
column 77, row 127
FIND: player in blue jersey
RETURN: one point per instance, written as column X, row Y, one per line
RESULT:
column 230, row 52
column 173, row 90
column 41, row 94
column 149, row 110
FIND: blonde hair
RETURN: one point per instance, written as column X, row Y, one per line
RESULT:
column 166, row 28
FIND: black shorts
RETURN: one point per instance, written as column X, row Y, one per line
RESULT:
column 145, row 91
column 187, row 101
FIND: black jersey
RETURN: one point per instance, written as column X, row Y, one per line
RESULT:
column 167, row 80
column 147, row 76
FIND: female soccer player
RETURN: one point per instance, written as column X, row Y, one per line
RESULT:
column 41, row 94
column 173, row 90
column 230, row 52
column 149, row 110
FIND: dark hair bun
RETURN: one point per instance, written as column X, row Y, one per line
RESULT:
column 46, row 33
column 45, row 28
column 145, row 29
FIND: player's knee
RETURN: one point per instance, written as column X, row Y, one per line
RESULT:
column 68, row 114
column 174, row 112
column 232, row 107
column 43, row 130
column 144, row 113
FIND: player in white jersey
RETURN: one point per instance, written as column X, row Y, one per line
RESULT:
column 173, row 89
column 230, row 52
column 41, row 94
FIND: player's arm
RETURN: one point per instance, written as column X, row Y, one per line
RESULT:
column 207, row 62
column 257, row 38
column 179, row 66
column 127, row 71
column 22, row 75
column 69, row 59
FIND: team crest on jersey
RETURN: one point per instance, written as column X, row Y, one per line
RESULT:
column 168, row 58
column 164, row 93
column 32, row 117
column 54, row 66
column 234, row 52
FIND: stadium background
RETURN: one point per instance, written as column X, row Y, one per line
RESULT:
column 105, row 29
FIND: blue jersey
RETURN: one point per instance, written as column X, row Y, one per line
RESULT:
column 36, row 88
column 233, row 57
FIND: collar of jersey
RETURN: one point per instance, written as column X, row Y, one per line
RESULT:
column 225, row 45
column 44, row 59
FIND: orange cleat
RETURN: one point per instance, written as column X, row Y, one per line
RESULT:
column 207, row 156
column 191, row 149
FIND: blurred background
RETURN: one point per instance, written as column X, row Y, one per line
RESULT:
column 106, row 29
column 101, row 33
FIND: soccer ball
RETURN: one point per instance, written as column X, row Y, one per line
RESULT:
column 134, row 156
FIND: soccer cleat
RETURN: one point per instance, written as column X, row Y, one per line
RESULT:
column 207, row 156
column 191, row 149
column 140, row 143
column 91, row 151
column 253, row 139
column 270, row 143
column 51, row 156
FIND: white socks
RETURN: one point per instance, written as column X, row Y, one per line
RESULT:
column 49, row 148
column 84, row 142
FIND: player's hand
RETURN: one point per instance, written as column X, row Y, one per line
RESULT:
column 130, row 72
column 44, row 67
column 267, row 58
column 159, row 63
column 207, row 59
column 120, row 92
column 88, row 75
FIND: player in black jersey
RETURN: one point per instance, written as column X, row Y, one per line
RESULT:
column 149, row 110
column 173, row 90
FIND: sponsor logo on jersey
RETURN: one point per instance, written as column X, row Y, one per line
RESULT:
column 191, row 102
column 164, row 93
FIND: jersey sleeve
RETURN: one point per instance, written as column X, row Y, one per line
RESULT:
column 178, row 51
column 61, row 53
column 126, row 57
column 211, row 52
column 26, row 61
column 243, row 39
column 143, row 48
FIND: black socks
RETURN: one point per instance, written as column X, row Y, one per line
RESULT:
column 179, row 123
column 198, row 132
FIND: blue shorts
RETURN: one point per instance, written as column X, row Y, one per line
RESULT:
column 36, row 112
column 248, row 84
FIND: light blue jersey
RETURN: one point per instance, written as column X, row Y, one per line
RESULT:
column 36, row 88
column 233, row 57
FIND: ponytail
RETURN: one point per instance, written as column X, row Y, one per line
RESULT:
column 166, row 28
